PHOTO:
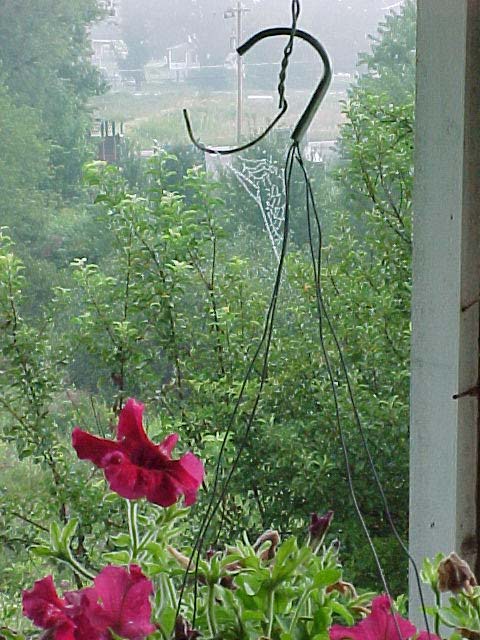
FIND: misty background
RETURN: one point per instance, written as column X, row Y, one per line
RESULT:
column 161, row 58
column 149, row 27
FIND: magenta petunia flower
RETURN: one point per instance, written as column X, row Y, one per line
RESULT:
column 118, row 602
column 46, row 610
column 378, row 625
column 135, row 467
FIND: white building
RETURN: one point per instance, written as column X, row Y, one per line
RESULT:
column 182, row 58
column 108, row 49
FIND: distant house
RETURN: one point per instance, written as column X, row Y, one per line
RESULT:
column 320, row 151
column 110, row 7
column 108, row 49
column 106, row 54
column 182, row 59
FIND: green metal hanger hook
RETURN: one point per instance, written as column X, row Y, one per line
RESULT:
column 322, row 87
column 315, row 101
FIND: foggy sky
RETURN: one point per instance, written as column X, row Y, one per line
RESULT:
column 341, row 25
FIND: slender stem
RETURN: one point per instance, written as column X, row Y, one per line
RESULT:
column 436, row 620
column 28, row 520
column 210, row 611
column 271, row 612
column 76, row 566
column 132, row 509
column 298, row 610
column 171, row 591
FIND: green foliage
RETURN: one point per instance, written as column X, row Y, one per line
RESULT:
column 391, row 62
column 280, row 589
column 46, row 80
column 45, row 59
column 29, row 376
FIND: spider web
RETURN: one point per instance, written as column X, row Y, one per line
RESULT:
column 263, row 180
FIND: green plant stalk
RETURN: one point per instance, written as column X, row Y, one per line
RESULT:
column 296, row 615
column 132, row 509
column 271, row 612
column 210, row 610
column 171, row 591
column 76, row 567
column 436, row 619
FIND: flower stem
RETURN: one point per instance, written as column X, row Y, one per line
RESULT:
column 171, row 592
column 132, row 508
column 438, row 602
column 301, row 602
column 210, row 611
column 75, row 566
column 271, row 612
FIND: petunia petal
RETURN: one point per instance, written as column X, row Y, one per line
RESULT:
column 128, row 480
column 194, row 467
column 92, row 448
column 130, row 428
column 123, row 602
column 168, row 444
column 42, row 605
column 67, row 631
column 405, row 627
column 380, row 624
column 164, row 489
column 424, row 635
column 189, row 473
column 339, row 632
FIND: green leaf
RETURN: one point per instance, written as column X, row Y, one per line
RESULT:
column 285, row 550
column 117, row 557
column 342, row 611
column 167, row 620
column 121, row 540
column 326, row 577
column 42, row 551
column 55, row 536
column 68, row 532
column 252, row 583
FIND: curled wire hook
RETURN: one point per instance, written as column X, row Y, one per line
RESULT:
column 311, row 109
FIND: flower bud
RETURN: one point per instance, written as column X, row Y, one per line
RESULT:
column 455, row 575
column 344, row 588
column 319, row 526
column 183, row 630
column 269, row 536
column 183, row 560
column 210, row 553
column 227, row 582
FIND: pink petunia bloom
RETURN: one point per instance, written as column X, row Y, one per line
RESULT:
column 43, row 606
column 135, row 467
column 378, row 625
column 118, row 602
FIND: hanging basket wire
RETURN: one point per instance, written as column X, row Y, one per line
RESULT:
column 315, row 238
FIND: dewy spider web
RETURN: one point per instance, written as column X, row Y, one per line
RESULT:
column 263, row 182
column 315, row 244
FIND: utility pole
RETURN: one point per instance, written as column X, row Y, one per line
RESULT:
column 238, row 12
column 239, row 74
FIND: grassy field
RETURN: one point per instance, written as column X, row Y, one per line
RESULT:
column 156, row 113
